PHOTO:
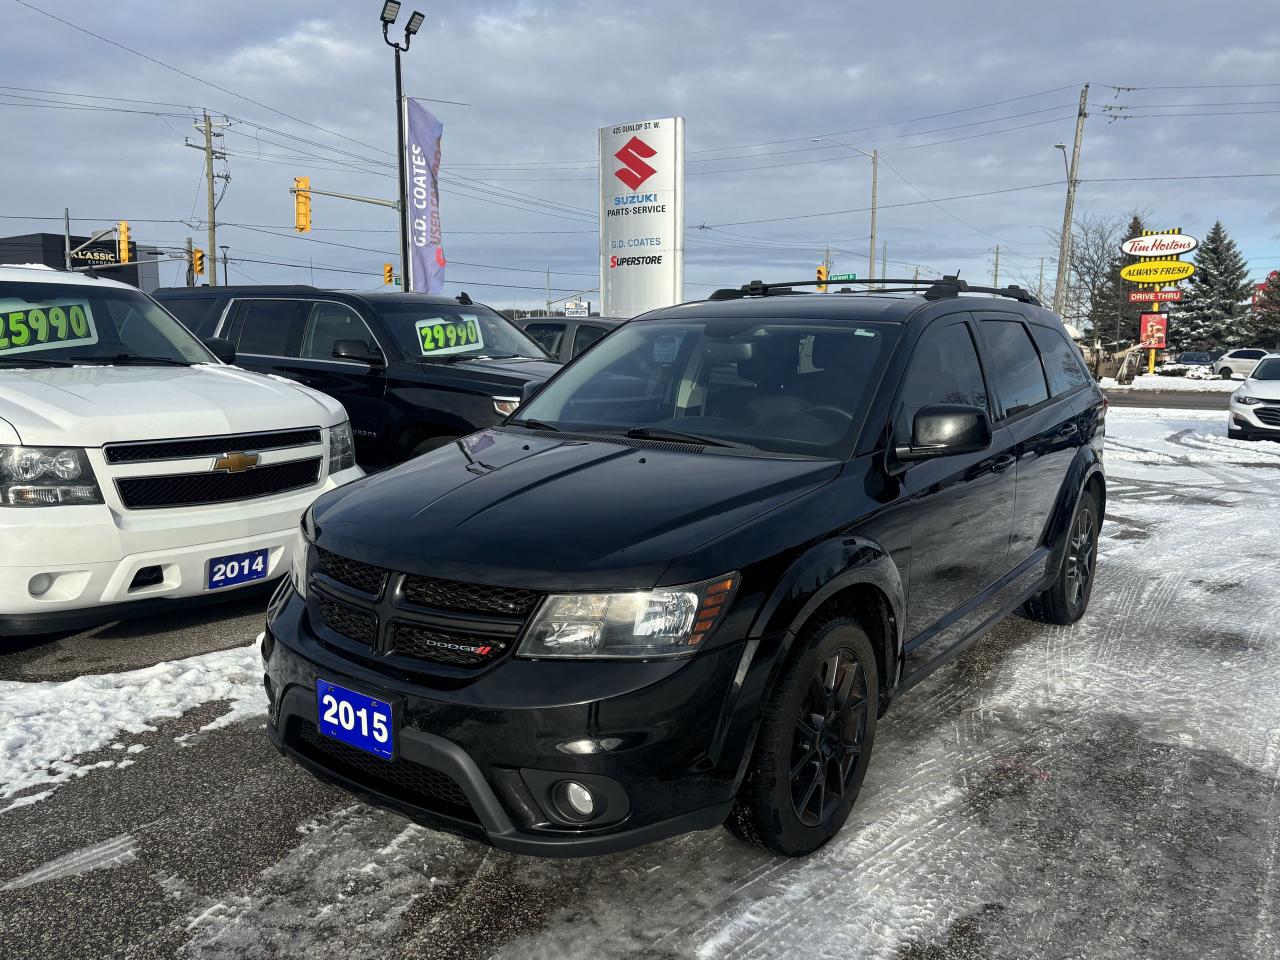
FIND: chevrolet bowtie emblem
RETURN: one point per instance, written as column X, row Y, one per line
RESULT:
column 236, row 462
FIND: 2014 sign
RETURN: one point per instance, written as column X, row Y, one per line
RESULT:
column 1159, row 245
column 1157, row 271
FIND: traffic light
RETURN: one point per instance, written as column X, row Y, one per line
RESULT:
column 122, row 241
column 302, row 204
column 388, row 273
column 822, row 276
column 197, row 261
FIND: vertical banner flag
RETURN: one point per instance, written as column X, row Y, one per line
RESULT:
column 641, row 216
column 422, row 196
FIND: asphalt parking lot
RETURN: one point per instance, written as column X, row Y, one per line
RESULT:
column 1111, row 789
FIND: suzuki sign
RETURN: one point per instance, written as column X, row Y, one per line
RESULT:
column 641, row 216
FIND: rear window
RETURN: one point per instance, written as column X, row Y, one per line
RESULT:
column 1019, row 379
column 1062, row 361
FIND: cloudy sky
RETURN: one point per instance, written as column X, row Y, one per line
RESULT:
column 961, row 99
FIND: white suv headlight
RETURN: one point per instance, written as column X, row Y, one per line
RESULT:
column 1245, row 401
column 642, row 624
column 342, row 448
column 46, row 477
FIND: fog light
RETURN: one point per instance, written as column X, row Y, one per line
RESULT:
column 575, row 801
column 39, row 585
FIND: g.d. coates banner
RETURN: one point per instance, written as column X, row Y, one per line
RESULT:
column 641, row 216
column 422, row 195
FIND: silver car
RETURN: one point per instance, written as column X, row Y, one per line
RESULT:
column 1238, row 363
column 1255, row 407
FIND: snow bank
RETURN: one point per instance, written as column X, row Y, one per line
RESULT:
column 1151, row 381
column 45, row 726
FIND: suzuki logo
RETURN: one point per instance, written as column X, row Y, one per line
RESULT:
column 632, row 156
column 236, row 462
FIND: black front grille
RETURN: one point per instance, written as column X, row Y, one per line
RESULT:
column 355, row 624
column 193, row 489
column 1268, row 415
column 364, row 577
column 470, row 597
column 399, row 779
column 424, row 643
column 209, row 446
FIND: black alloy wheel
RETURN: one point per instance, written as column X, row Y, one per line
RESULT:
column 828, row 737
column 1082, row 552
column 1067, row 598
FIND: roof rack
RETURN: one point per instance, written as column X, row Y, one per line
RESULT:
column 948, row 286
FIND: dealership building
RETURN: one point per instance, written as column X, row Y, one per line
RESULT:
column 49, row 249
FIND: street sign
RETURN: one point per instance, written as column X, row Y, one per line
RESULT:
column 1154, row 327
column 1159, row 245
column 577, row 308
column 1157, row 271
column 1155, row 296
column 842, row 277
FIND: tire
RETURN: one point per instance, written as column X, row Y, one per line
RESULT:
column 1225, row 373
column 429, row 444
column 1068, row 598
column 793, row 816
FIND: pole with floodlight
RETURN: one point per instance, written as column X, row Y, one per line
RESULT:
column 874, row 156
column 390, row 11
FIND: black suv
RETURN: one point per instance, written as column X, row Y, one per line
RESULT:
column 414, row 371
column 679, row 587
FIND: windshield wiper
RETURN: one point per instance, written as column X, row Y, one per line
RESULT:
column 676, row 436
column 534, row 425
column 134, row 359
column 42, row 361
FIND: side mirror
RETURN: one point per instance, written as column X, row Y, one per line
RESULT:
column 945, row 430
column 222, row 349
column 357, row 351
column 530, row 388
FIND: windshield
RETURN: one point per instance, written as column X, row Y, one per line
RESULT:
column 435, row 331
column 1268, row 369
column 62, row 324
column 782, row 387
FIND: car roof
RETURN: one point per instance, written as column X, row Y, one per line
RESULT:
column 39, row 273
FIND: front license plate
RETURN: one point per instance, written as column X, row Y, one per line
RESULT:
column 355, row 719
column 237, row 568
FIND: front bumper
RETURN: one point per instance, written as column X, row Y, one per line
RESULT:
column 656, row 740
column 1260, row 419
column 93, row 554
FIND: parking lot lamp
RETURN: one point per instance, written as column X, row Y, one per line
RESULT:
column 875, row 173
column 391, row 10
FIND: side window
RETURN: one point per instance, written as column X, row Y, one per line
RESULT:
column 1252, row 354
column 329, row 323
column 195, row 314
column 272, row 328
column 944, row 369
column 548, row 335
column 585, row 336
column 1062, row 362
column 1015, row 365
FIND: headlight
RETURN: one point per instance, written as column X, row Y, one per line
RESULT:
column 667, row 622
column 505, row 406
column 1245, row 401
column 46, row 477
column 342, row 449
column 298, row 562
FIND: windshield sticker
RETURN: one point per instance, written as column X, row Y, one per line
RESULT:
column 859, row 332
column 666, row 347
column 438, row 336
column 25, row 327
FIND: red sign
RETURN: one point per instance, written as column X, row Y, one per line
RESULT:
column 1154, row 326
column 1155, row 296
column 632, row 156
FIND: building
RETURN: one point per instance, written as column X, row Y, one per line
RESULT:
column 48, row 249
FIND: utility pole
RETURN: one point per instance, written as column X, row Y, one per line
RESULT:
column 1040, row 287
column 995, row 273
column 884, row 260
column 875, row 177
column 548, row 291
column 915, row 277
column 225, row 281
column 191, row 259
column 66, row 237
column 1064, row 245
column 206, row 125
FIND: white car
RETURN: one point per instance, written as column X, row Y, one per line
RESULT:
column 1238, row 363
column 136, row 468
column 1255, row 407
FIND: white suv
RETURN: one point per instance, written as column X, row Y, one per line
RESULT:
column 1238, row 363
column 1255, row 407
column 136, row 468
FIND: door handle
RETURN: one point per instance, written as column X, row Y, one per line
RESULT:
column 1003, row 462
column 1067, row 430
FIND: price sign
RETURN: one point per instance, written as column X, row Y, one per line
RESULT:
column 25, row 327
column 438, row 337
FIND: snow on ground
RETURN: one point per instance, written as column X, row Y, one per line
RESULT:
column 1153, row 381
column 47, row 728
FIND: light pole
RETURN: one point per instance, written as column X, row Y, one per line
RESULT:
column 391, row 10
column 875, row 174
column 1073, row 172
column 224, row 248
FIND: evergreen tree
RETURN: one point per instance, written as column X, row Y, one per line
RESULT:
column 1121, row 315
column 1263, row 323
column 1217, row 297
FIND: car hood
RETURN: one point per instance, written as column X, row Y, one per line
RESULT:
column 510, row 508
column 511, row 373
column 1262, row 389
column 92, row 405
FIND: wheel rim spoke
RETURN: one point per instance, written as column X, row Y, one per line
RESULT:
column 827, row 737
